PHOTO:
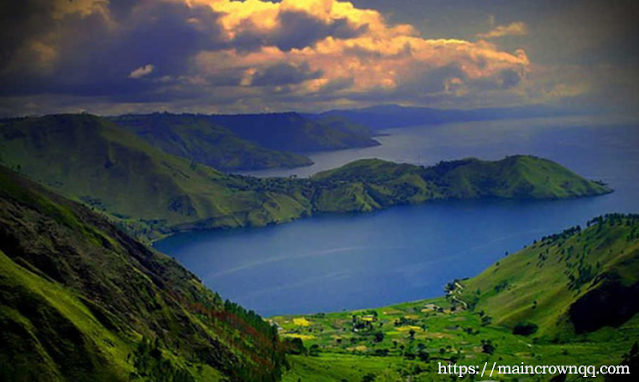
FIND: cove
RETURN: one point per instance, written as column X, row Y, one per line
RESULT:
column 335, row 262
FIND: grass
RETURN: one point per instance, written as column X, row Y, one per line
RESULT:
column 153, row 194
column 409, row 340
column 108, row 351
column 199, row 138
column 78, row 297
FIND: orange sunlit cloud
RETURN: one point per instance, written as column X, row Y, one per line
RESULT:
column 223, row 55
column 514, row 29
column 378, row 56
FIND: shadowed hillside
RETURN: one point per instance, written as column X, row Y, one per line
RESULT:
column 295, row 132
column 80, row 301
column 198, row 138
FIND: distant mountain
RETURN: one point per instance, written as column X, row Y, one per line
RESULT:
column 199, row 138
column 296, row 132
column 573, row 282
column 153, row 194
column 81, row 301
column 394, row 116
column 342, row 123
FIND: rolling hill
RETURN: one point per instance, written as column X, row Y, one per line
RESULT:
column 199, row 138
column 152, row 193
column 82, row 301
column 371, row 184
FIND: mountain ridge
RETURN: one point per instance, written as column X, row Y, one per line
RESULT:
column 153, row 194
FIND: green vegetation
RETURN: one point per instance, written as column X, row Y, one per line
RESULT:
column 81, row 301
column 515, row 177
column 149, row 192
column 576, row 281
column 199, row 138
column 153, row 194
column 297, row 133
column 527, row 308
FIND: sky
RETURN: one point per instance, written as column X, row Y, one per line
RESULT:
column 223, row 56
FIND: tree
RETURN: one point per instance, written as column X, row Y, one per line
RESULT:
column 314, row 350
column 488, row 347
column 423, row 355
column 370, row 377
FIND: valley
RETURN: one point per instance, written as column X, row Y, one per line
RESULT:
column 135, row 313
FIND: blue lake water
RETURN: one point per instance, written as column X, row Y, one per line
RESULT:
column 336, row 262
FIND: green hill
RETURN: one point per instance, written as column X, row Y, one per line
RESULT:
column 568, row 299
column 295, row 132
column 153, row 193
column 372, row 183
column 577, row 281
column 198, row 138
column 89, row 159
column 81, row 301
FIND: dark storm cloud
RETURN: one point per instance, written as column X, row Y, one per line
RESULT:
column 299, row 29
column 19, row 21
column 285, row 55
column 284, row 74
column 96, row 55
column 295, row 30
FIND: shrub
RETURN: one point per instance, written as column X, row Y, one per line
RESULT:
column 525, row 329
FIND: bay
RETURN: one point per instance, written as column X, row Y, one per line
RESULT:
column 335, row 262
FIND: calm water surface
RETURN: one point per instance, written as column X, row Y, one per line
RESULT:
column 331, row 263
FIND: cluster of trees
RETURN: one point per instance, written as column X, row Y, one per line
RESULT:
column 150, row 365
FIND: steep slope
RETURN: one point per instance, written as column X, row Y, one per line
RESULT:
column 153, row 194
column 80, row 300
column 294, row 132
column 198, row 138
column 577, row 281
column 89, row 159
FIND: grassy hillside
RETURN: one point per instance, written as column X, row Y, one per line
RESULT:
column 295, row 132
column 581, row 320
column 198, row 138
column 579, row 280
column 372, row 183
column 153, row 194
column 80, row 301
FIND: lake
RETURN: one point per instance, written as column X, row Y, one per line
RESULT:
column 336, row 262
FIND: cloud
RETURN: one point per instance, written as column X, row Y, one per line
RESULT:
column 142, row 71
column 229, row 55
column 513, row 29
